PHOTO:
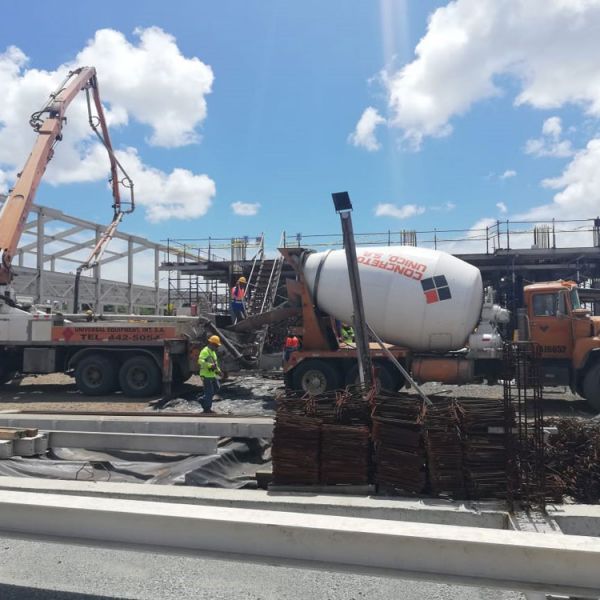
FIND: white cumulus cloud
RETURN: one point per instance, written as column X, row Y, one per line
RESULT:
column 501, row 207
column 179, row 194
column 364, row 133
column 508, row 174
column 245, row 209
column 398, row 212
column 550, row 143
column 151, row 81
column 471, row 46
column 578, row 186
column 148, row 81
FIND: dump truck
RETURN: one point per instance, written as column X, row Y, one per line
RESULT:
column 440, row 323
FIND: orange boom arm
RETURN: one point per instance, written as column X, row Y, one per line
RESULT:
column 48, row 123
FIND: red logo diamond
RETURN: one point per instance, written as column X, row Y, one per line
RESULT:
column 431, row 296
column 68, row 333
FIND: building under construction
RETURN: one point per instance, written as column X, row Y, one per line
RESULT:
column 509, row 254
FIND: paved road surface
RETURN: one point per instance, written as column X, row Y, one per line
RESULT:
column 79, row 572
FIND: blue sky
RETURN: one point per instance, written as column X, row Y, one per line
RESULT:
column 291, row 81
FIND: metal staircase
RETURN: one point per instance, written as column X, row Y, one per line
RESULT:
column 262, row 289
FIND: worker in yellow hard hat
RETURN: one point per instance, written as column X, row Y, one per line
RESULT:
column 238, row 297
column 209, row 372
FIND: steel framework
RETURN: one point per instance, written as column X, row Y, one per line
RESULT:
column 54, row 244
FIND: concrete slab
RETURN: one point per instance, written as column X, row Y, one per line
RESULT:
column 30, row 446
column 181, row 444
column 479, row 514
column 6, row 448
column 577, row 519
column 246, row 427
column 511, row 560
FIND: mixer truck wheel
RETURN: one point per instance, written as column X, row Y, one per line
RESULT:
column 316, row 377
column 591, row 387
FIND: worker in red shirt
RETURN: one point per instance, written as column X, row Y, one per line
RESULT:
column 238, row 296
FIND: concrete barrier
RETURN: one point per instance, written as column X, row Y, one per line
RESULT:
column 512, row 560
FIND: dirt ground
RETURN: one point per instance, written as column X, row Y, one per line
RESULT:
column 241, row 394
column 246, row 394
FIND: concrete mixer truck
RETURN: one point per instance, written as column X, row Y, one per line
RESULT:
column 441, row 324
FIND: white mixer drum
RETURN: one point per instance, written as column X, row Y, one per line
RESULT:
column 415, row 297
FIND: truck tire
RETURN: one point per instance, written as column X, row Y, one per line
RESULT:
column 140, row 376
column 386, row 379
column 316, row 376
column 96, row 375
column 6, row 375
column 7, row 368
column 591, row 387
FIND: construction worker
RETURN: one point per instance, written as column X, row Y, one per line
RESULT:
column 347, row 334
column 209, row 372
column 238, row 295
column 292, row 343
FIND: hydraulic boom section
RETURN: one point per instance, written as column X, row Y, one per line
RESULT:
column 48, row 123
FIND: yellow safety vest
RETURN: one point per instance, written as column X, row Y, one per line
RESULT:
column 207, row 358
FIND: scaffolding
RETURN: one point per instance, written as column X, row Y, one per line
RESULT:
column 200, row 271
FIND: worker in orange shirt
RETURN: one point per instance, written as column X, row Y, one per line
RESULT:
column 292, row 343
column 238, row 296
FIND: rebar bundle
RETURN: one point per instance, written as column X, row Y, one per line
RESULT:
column 400, row 464
column 573, row 460
column 443, row 442
column 523, row 402
column 296, row 449
column 345, row 452
column 322, row 439
column 485, row 453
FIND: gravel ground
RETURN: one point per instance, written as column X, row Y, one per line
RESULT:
column 242, row 394
column 558, row 402
column 80, row 572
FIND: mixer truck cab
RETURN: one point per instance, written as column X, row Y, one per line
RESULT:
column 567, row 335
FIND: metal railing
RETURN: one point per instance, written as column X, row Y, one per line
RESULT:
column 212, row 249
column 493, row 236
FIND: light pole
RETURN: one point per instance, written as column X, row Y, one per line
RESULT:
column 343, row 206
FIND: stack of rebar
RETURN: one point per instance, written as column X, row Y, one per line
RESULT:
column 484, row 452
column 398, row 440
column 321, row 439
column 443, row 443
column 296, row 449
column 352, row 408
column 573, row 460
column 345, row 452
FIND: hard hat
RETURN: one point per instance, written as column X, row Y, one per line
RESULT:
column 89, row 312
column 215, row 339
column 242, row 280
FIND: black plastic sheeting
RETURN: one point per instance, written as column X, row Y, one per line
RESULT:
column 246, row 396
column 233, row 467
